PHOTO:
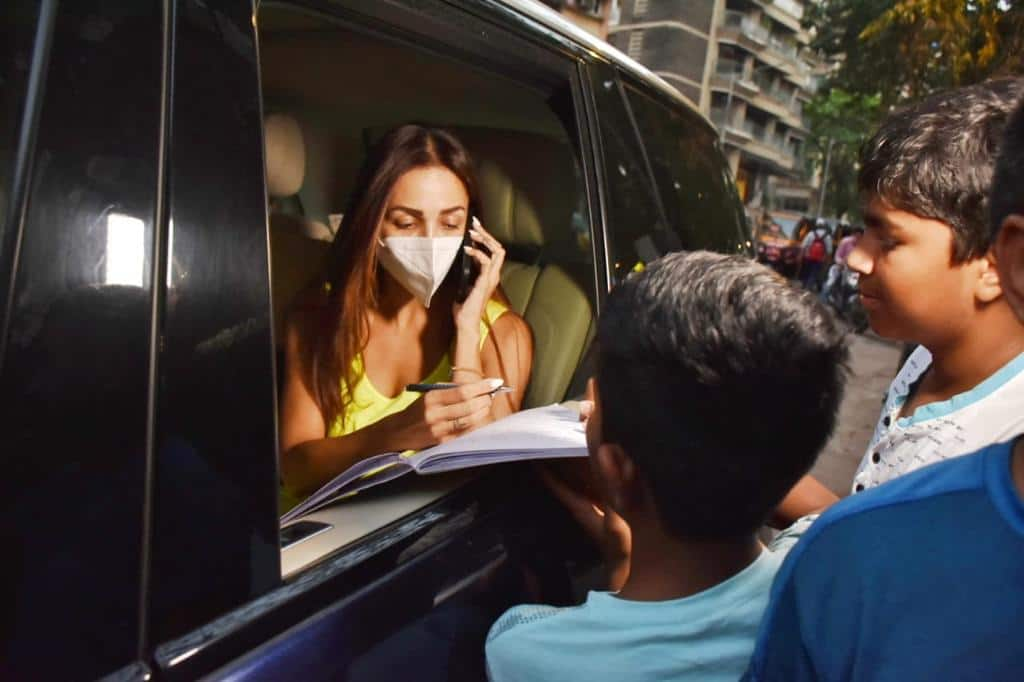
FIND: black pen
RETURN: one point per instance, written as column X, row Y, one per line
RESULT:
column 424, row 388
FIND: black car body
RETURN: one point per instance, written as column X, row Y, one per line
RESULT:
column 138, row 351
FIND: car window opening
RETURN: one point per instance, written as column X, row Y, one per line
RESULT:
column 330, row 92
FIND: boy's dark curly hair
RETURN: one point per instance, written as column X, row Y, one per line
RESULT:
column 721, row 381
column 936, row 158
column 1008, row 184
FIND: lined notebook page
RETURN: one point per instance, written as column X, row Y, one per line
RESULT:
column 552, row 428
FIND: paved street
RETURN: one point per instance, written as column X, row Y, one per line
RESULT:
column 873, row 364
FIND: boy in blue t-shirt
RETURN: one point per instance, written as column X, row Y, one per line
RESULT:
column 921, row 578
column 700, row 358
column 927, row 277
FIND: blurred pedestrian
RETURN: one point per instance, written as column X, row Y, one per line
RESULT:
column 839, row 262
column 815, row 250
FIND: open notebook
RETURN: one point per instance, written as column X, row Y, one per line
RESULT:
column 541, row 433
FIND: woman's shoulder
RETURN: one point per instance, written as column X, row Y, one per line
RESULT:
column 502, row 321
column 495, row 309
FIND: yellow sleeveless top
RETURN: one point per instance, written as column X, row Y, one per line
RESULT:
column 370, row 405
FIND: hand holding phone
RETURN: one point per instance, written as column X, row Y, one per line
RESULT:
column 469, row 269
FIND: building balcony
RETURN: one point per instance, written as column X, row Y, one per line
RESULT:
column 771, row 100
column 752, row 139
column 785, row 12
column 791, row 6
column 733, row 133
column 746, row 26
column 783, row 47
column 766, row 151
column 738, row 29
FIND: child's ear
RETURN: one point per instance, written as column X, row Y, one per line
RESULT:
column 618, row 475
column 1009, row 251
column 988, row 288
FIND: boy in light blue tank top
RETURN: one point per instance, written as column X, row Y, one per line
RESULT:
column 701, row 359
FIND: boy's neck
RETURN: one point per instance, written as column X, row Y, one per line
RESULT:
column 663, row 567
column 968, row 360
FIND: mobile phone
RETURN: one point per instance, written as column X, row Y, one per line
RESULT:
column 469, row 269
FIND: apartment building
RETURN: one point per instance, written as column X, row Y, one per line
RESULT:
column 672, row 38
column 745, row 63
column 591, row 15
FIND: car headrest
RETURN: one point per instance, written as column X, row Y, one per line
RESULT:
column 310, row 229
column 286, row 155
column 522, row 179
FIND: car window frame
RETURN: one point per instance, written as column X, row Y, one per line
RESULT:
column 289, row 603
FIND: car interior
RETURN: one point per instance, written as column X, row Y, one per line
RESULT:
column 330, row 91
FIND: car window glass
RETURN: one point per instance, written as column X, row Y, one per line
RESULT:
column 528, row 168
column 636, row 232
column 74, row 382
column 691, row 174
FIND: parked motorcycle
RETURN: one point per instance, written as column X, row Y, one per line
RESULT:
column 844, row 297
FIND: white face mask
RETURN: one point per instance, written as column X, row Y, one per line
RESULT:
column 420, row 264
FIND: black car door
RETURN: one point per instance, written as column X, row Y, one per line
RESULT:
column 137, row 384
column 83, row 130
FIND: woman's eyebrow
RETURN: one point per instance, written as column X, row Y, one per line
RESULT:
column 419, row 214
column 406, row 209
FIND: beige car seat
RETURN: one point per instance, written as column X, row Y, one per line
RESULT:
column 298, row 245
column 527, row 191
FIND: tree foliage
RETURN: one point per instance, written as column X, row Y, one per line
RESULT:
column 888, row 52
column 906, row 49
column 842, row 120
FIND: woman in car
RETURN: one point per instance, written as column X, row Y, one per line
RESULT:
column 386, row 316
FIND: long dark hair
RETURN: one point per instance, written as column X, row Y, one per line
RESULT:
column 342, row 330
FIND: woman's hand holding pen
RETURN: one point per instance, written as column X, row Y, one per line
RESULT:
column 440, row 415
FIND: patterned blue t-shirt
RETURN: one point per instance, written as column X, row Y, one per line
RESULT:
column 919, row 579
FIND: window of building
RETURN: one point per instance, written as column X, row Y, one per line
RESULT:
column 640, row 8
column 795, row 204
column 635, row 47
column 796, row 147
column 590, row 7
column 730, row 60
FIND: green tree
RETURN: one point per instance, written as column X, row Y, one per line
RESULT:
column 841, row 120
column 940, row 43
column 906, row 49
column 886, row 52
